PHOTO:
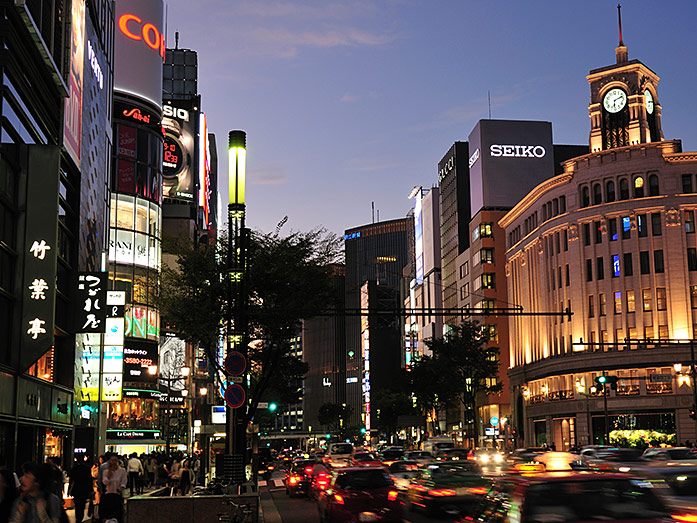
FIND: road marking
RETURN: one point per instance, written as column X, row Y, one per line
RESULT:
column 262, row 483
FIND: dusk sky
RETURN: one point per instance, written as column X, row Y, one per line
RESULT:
column 346, row 103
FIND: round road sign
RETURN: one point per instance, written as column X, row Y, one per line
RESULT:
column 494, row 421
column 234, row 396
column 235, row 363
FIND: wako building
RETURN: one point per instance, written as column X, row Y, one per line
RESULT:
column 613, row 239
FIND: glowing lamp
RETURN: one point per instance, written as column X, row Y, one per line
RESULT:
column 237, row 161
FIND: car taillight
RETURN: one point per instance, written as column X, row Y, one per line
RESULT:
column 387, row 463
column 270, row 467
column 392, row 495
column 308, row 470
column 685, row 518
column 294, row 480
column 478, row 490
column 470, row 456
column 441, row 492
column 339, row 499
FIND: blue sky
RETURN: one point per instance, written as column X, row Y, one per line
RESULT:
column 349, row 102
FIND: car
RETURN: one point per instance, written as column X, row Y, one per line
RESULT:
column 420, row 456
column 669, row 454
column 338, row 455
column 488, row 456
column 447, row 487
column 570, row 497
column 402, row 472
column 360, row 494
column 454, row 455
column 390, row 455
column 298, row 478
column 364, row 459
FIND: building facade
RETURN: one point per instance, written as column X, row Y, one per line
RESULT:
column 612, row 240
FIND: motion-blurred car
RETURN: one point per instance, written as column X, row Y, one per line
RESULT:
column 448, row 487
column 364, row 459
column 390, row 455
column 299, row 477
column 488, row 456
column 420, row 456
column 360, row 494
column 454, row 455
column 574, row 497
column 402, row 472
column 669, row 454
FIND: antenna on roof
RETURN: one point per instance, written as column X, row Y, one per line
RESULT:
column 176, row 40
column 619, row 19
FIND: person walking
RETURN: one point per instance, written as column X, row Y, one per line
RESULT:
column 80, row 487
column 111, row 504
column 36, row 504
column 150, row 466
column 186, row 479
column 135, row 470
column 8, row 491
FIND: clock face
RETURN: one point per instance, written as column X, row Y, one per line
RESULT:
column 648, row 101
column 615, row 100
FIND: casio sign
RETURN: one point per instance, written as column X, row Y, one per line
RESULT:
column 176, row 112
column 518, row 151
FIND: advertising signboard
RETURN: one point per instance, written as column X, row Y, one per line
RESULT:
column 137, row 359
column 172, row 359
column 91, row 301
column 72, row 128
column 508, row 158
column 139, row 49
column 179, row 158
column 112, row 363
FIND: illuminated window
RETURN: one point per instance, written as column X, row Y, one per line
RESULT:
column 615, row 265
column 648, row 332
column 464, row 269
column 646, row 299
column 602, row 304
column 618, row 302
column 485, row 230
column 693, row 296
column 631, row 305
column 663, row 332
column 43, row 368
column 591, row 309
column 638, row 187
column 487, row 255
column 626, row 227
column 492, row 331
column 488, row 281
column 464, row 291
column 690, row 222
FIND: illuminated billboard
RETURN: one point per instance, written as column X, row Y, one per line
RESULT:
column 139, row 44
column 179, row 158
column 72, row 128
column 204, row 169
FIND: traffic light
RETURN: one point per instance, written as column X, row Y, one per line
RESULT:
column 607, row 380
column 693, row 414
column 273, row 407
column 328, row 436
column 362, row 430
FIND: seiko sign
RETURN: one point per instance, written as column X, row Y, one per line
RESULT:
column 176, row 112
column 517, row 151
column 446, row 168
column 474, row 158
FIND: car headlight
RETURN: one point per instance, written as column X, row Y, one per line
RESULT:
column 498, row 458
column 681, row 478
column 484, row 458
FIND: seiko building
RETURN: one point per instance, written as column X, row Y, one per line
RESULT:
column 611, row 238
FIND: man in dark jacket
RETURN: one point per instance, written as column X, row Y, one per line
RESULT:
column 81, row 486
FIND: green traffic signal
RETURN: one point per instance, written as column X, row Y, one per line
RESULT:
column 362, row 430
column 328, row 436
column 272, row 407
column 601, row 379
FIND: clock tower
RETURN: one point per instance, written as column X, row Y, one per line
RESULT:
column 624, row 108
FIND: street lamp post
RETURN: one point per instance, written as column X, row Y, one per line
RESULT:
column 581, row 389
column 237, row 259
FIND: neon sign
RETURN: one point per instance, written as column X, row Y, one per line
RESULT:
column 136, row 115
column 149, row 34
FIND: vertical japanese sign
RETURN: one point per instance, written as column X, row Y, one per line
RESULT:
column 88, row 353
column 39, row 253
column 114, row 337
column 91, row 302
column 72, row 129
column 365, row 352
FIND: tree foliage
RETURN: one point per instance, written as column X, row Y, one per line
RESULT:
column 462, row 366
column 388, row 405
column 334, row 416
column 287, row 279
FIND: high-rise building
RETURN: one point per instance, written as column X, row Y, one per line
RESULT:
column 135, row 253
column 375, row 256
column 55, row 129
column 611, row 238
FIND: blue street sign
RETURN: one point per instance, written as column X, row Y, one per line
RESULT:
column 494, row 421
column 235, row 363
column 234, row 396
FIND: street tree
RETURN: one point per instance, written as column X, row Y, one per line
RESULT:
column 431, row 383
column 469, row 364
column 334, row 417
column 388, row 405
column 287, row 279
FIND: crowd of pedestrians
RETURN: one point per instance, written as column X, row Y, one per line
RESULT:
column 97, row 488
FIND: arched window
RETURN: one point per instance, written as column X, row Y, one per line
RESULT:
column 638, row 187
column 585, row 196
column 610, row 191
column 653, row 186
column 624, row 189
column 597, row 194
